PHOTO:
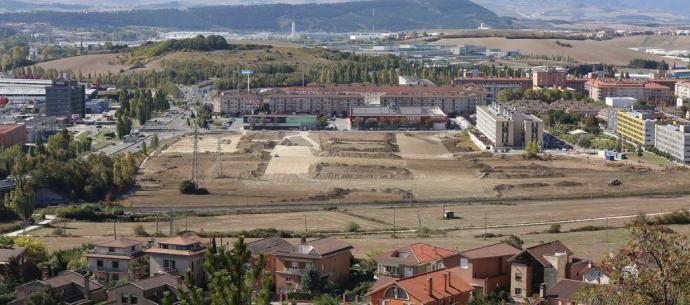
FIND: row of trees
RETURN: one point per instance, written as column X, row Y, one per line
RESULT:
column 546, row 95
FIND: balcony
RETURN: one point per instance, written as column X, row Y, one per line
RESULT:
column 106, row 269
column 293, row 270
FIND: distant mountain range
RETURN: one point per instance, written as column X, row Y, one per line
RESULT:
column 384, row 15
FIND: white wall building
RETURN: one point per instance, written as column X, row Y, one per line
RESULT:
column 507, row 128
column 674, row 140
column 621, row 102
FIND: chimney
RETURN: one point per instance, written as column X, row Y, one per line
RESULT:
column 137, row 273
column 542, row 290
column 87, row 284
column 430, row 284
column 446, row 276
column 45, row 272
column 303, row 240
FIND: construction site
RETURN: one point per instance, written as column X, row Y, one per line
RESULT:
column 293, row 168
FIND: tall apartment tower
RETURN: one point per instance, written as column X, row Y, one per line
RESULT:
column 65, row 98
column 293, row 35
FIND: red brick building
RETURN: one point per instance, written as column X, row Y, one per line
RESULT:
column 438, row 287
column 486, row 268
column 415, row 259
column 10, row 135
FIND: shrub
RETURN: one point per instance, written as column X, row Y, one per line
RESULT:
column 352, row 227
column 140, row 231
column 187, row 187
column 554, row 228
column 514, row 241
column 681, row 217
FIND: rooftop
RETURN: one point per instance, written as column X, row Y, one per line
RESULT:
column 318, row 247
column 495, row 250
column 9, row 252
column 418, row 285
column 181, row 240
column 418, row 253
column 9, row 127
column 565, row 289
column 120, row 243
column 268, row 244
column 541, row 250
column 396, row 111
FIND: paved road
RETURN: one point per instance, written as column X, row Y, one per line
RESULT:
column 47, row 221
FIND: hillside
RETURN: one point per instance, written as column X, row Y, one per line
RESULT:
column 391, row 15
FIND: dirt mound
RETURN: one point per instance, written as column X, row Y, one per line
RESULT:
column 351, row 171
column 530, row 171
column 359, row 145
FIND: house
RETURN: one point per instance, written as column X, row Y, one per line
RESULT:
column 486, row 268
column 9, row 253
column 437, row 287
column 149, row 291
column 562, row 293
column 267, row 247
column 415, row 259
column 329, row 257
column 110, row 261
column 75, row 287
column 177, row 256
column 546, row 263
column 595, row 275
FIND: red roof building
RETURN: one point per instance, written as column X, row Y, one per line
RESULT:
column 416, row 259
column 487, row 268
column 437, row 287
column 13, row 134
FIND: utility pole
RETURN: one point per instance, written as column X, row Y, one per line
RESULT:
column 393, row 222
column 195, row 159
column 115, row 229
column 157, row 224
column 219, row 162
column 172, row 217
column 486, row 225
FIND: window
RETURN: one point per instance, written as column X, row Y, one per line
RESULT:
column 295, row 265
column 133, row 299
column 99, row 263
column 396, row 293
column 124, row 298
column 115, row 277
column 518, row 291
column 464, row 263
column 116, row 264
column 518, row 276
column 111, row 249
column 288, row 279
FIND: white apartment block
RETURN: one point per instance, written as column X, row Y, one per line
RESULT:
column 674, row 140
column 507, row 128
column 683, row 90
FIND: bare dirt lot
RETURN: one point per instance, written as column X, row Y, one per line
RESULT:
column 325, row 168
column 89, row 64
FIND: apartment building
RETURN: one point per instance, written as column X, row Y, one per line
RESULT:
column 683, row 89
column 111, row 261
column 550, row 77
column 600, row 89
column 236, row 103
column 415, row 259
column 507, row 128
column 178, row 255
column 66, row 98
column 673, row 140
column 493, row 85
column 329, row 257
column 486, row 268
column 635, row 127
column 538, row 267
column 149, row 291
column 444, row 286
column 326, row 103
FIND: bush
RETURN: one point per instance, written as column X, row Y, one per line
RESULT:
column 554, row 228
column 681, row 217
column 352, row 227
column 514, row 241
column 140, row 231
column 588, row 229
column 187, row 187
column 90, row 212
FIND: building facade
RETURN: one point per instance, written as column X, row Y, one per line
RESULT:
column 176, row 256
column 507, row 128
column 111, row 261
column 444, row 286
column 65, row 98
column 600, row 89
column 12, row 134
column 236, row 103
column 393, row 117
column 495, row 85
column 550, row 78
column 635, row 127
column 415, row 259
column 673, row 140
column 486, row 268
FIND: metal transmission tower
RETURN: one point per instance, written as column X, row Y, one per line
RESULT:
column 219, row 161
column 195, row 159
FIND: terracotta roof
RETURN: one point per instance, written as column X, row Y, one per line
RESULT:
column 539, row 251
column 383, row 281
column 318, row 247
column 70, row 277
column 157, row 281
column 4, row 128
column 9, row 252
column 495, row 250
column 418, row 253
column 418, row 285
column 174, row 252
column 385, row 89
column 120, row 243
column 181, row 241
column 565, row 289
column 268, row 244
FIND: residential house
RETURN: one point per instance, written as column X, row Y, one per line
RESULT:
column 76, row 288
column 437, row 287
column 562, row 293
column 111, row 261
column 595, row 275
column 547, row 263
column 487, row 267
column 329, row 257
column 415, row 259
column 149, row 291
column 9, row 253
column 177, row 256
column 267, row 247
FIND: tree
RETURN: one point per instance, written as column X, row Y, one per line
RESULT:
column 653, row 268
column 310, row 281
column 230, row 282
column 514, row 241
column 124, row 169
column 48, row 296
column 22, row 199
column 326, row 299
column 144, row 149
column 531, row 150
column 34, row 248
column 154, row 141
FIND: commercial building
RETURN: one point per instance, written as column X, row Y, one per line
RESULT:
column 444, row 286
column 600, row 89
column 177, row 256
column 486, row 268
column 495, row 84
column 110, row 261
column 635, row 127
column 673, row 140
column 329, row 257
column 280, row 122
column 12, row 134
column 550, row 77
column 97, row 106
column 393, row 117
column 24, row 90
column 507, row 128
column 236, row 103
column 620, row 102
column 415, row 259
column 65, row 98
